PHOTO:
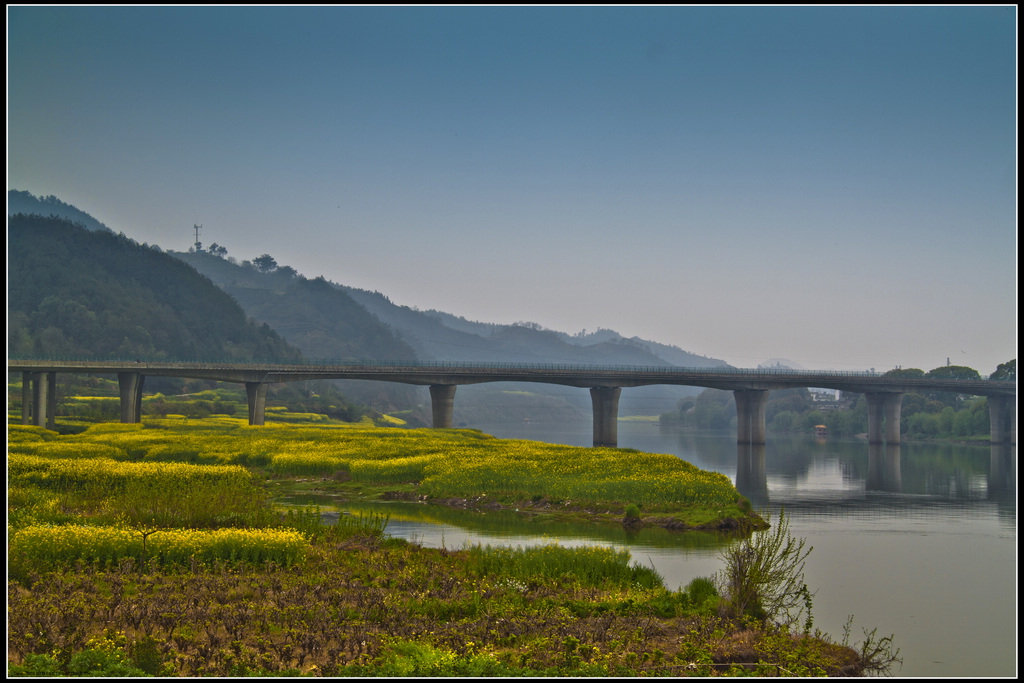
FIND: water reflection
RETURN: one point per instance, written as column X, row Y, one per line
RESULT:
column 884, row 468
column 1002, row 472
column 751, row 474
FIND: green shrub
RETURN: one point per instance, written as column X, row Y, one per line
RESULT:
column 37, row 666
column 106, row 656
column 103, row 663
column 590, row 566
column 701, row 594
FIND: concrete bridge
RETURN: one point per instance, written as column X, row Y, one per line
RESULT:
column 750, row 388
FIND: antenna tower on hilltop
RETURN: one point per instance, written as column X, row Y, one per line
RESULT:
column 198, row 245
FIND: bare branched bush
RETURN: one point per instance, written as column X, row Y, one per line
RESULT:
column 763, row 576
column 878, row 654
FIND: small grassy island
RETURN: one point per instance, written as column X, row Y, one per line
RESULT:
column 166, row 548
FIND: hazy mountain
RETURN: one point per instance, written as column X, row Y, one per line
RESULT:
column 318, row 318
column 443, row 336
column 780, row 364
column 27, row 203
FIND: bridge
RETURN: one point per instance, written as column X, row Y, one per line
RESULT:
column 750, row 388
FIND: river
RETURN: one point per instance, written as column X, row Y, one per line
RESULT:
column 919, row 541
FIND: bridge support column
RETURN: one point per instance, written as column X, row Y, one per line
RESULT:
column 130, row 386
column 997, row 419
column 884, row 408
column 442, row 404
column 893, row 406
column 606, row 415
column 27, row 378
column 39, row 398
column 256, row 394
column 39, row 402
column 750, row 410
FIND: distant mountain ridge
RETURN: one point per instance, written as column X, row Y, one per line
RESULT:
column 443, row 336
column 25, row 202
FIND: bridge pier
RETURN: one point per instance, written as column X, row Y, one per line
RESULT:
column 884, row 408
column 606, row 415
column 999, row 430
column 442, row 404
column 750, row 411
column 256, row 395
column 26, row 397
column 130, row 386
column 39, row 399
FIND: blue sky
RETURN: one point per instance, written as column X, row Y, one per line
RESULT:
column 833, row 186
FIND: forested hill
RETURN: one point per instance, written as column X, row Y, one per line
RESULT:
column 25, row 202
column 314, row 315
column 75, row 292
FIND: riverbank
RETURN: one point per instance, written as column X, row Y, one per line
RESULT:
column 363, row 604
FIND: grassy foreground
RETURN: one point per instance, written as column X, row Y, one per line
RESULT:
column 157, row 550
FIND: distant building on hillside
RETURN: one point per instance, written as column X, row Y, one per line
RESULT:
column 825, row 399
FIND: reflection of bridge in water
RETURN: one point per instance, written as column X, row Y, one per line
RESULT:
column 750, row 388
column 883, row 475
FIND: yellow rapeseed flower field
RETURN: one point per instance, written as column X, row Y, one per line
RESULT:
column 445, row 462
column 174, row 485
column 49, row 545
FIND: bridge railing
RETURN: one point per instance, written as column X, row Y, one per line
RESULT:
column 314, row 364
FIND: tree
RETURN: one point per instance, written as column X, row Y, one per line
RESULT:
column 953, row 372
column 904, row 372
column 951, row 398
column 714, row 409
column 1006, row 372
column 795, row 400
column 217, row 250
column 265, row 263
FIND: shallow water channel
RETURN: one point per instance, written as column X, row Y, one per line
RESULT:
column 918, row 541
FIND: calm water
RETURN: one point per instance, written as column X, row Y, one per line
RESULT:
column 918, row 541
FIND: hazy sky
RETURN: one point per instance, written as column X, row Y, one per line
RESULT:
column 834, row 186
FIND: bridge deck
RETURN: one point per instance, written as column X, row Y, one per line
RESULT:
column 449, row 373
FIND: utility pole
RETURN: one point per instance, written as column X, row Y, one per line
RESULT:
column 198, row 244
